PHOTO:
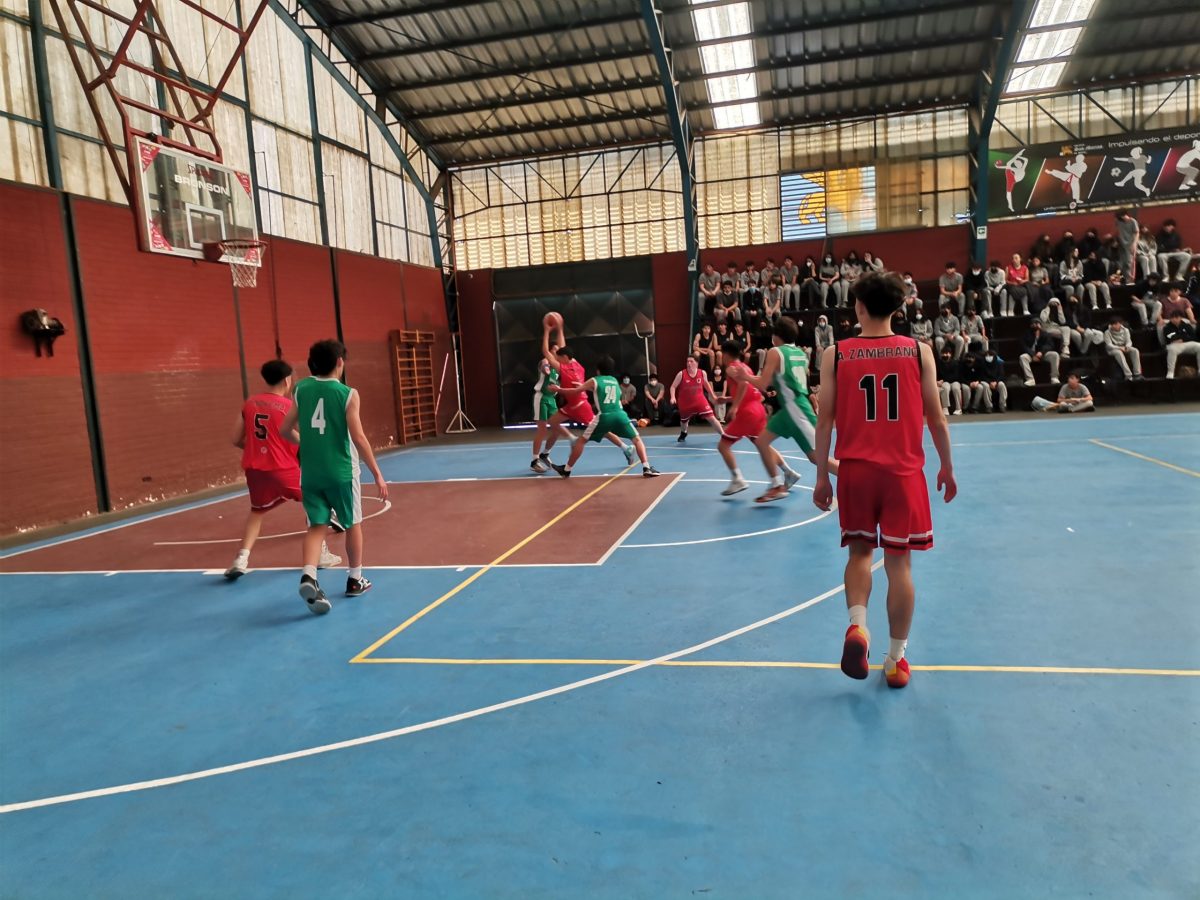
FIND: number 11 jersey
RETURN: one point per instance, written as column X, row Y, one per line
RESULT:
column 880, row 413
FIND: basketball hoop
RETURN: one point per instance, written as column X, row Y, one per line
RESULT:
column 244, row 258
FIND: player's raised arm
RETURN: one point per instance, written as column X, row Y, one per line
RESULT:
column 354, row 425
column 936, row 420
column 547, row 353
column 826, row 416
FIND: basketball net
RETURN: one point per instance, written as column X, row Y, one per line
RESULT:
column 243, row 257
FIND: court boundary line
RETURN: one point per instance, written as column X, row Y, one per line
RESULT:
column 387, row 504
column 619, row 542
column 785, row 664
column 1142, row 456
column 428, row 725
column 362, row 655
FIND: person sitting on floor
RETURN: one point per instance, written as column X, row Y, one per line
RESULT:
column 1072, row 397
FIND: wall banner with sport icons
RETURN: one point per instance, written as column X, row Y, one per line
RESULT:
column 1122, row 168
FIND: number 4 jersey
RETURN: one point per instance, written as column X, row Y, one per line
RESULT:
column 327, row 455
column 265, row 449
column 880, row 414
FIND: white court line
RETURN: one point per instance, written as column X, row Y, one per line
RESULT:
column 1140, row 437
column 456, row 566
column 638, row 521
column 422, row 726
column 387, row 504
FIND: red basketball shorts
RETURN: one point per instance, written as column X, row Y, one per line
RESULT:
column 882, row 508
column 703, row 411
column 271, row 487
column 578, row 410
column 749, row 422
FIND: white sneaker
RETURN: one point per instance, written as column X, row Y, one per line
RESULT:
column 945, row 410
column 1169, row 375
column 238, row 569
column 791, row 479
column 311, row 593
column 957, row 412
column 1055, row 381
column 736, row 486
column 628, row 451
column 1029, row 382
column 328, row 560
column 538, row 467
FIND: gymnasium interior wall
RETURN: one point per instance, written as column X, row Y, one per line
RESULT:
column 163, row 338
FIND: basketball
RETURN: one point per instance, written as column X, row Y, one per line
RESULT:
column 552, row 320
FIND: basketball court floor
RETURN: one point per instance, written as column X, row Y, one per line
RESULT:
column 619, row 687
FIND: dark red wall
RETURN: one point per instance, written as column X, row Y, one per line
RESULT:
column 164, row 344
column 480, row 364
column 1018, row 235
column 672, row 312
column 45, row 458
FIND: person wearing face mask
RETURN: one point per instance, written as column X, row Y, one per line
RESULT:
column 947, row 332
column 922, row 328
column 996, row 394
column 830, row 275
column 1079, row 322
column 629, row 397
column 852, row 270
column 810, row 284
column 658, row 409
column 900, row 323
column 823, row 339
column 974, row 332
column 720, row 394
column 975, row 288
column 996, row 301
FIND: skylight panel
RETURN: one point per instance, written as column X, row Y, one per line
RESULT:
column 727, row 56
column 732, row 21
column 1060, row 12
column 717, row 22
column 1036, row 78
column 744, row 115
column 1049, row 44
column 732, row 87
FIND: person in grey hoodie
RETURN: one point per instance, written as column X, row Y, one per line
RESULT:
column 922, row 328
column 1118, row 341
column 974, row 331
column 1054, row 323
column 1070, row 275
column 1127, row 235
column 822, row 340
column 947, row 332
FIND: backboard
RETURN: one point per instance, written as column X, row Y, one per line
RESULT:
column 186, row 201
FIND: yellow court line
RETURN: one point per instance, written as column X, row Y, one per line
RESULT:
column 362, row 655
column 780, row 664
column 1149, row 459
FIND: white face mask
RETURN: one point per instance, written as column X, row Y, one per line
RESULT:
column 919, row 317
column 908, row 281
column 624, row 381
column 654, row 381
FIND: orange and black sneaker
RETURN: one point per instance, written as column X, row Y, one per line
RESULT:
column 896, row 675
column 855, row 652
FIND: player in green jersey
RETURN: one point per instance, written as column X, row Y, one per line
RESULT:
column 611, row 421
column 326, row 419
column 785, row 371
column 545, row 405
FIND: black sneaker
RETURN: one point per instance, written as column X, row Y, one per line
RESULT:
column 356, row 587
column 682, row 437
column 561, row 470
column 538, row 466
column 650, row 472
column 317, row 602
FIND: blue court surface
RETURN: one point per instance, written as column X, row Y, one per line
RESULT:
column 667, row 722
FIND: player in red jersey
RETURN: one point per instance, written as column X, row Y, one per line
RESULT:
column 877, row 389
column 575, row 407
column 747, row 418
column 690, row 394
column 271, row 463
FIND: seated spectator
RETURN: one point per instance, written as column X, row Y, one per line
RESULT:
column 1147, row 252
column 845, row 329
column 871, row 262
column 1070, row 275
column 997, row 296
column 996, row 394
column 657, row 408
column 1079, row 321
column 851, row 271
column 769, row 271
column 911, row 297
column 1090, row 242
column 720, row 394
column 751, row 283
column 720, row 336
column 823, row 339
column 1173, row 302
column 760, row 343
column 1095, row 281
column 947, row 332
column 1118, row 341
column 973, row 376
column 1040, row 289
column 922, row 328
column 950, row 288
column 710, row 286
column 974, row 332
column 1037, row 347
column 1065, row 247
column 731, row 276
column 1072, row 397
column 789, row 274
column 1041, row 249
column 704, row 347
column 830, row 276
column 1179, row 335
column 773, row 300
column 810, row 285
column 1016, row 278
column 629, row 398
column 1146, row 302
column 900, row 324
column 1173, row 257
column 975, row 289
column 752, row 308
column 949, row 388
column 1054, row 323
column 741, row 337
column 727, row 307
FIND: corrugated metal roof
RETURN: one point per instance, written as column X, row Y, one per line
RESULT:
column 491, row 79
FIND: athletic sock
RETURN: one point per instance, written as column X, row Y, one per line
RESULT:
column 243, row 554
column 736, row 473
column 310, row 571
column 787, row 470
column 776, row 480
column 896, row 649
column 355, row 572
column 858, row 616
